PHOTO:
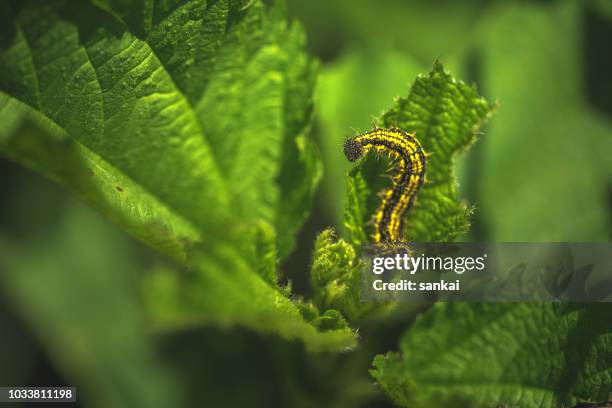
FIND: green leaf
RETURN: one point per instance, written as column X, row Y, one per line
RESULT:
column 222, row 287
column 301, row 167
column 185, row 122
column 486, row 355
column 336, row 279
column 522, row 355
column 76, row 294
column 265, row 253
column 356, row 209
column 445, row 115
column 51, row 152
column 547, row 147
column 335, row 274
column 433, row 31
column 108, row 90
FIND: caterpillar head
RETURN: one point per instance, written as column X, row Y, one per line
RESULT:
column 353, row 150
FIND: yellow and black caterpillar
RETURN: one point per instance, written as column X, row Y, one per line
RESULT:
column 410, row 160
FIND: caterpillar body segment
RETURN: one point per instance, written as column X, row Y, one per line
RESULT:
column 407, row 177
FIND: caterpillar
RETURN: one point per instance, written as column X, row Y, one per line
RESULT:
column 410, row 160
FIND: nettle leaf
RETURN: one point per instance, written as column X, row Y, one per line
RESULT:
column 445, row 114
column 335, row 274
column 517, row 355
column 230, row 293
column 336, row 279
column 183, row 121
column 46, row 148
column 356, row 208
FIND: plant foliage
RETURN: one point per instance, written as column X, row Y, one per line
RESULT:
column 185, row 123
column 486, row 355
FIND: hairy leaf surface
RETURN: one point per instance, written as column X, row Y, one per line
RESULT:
column 553, row 355
column 185, row 122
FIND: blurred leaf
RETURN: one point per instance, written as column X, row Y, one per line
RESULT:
column 302, row 167
column 545, row 150
column 18, row 360
column 214, row 362
column 423, row 29
column 487, row 355
column 185, row 123
column 445, row 115
column 80, row 302
column 604, row 7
